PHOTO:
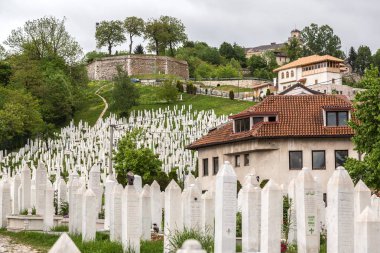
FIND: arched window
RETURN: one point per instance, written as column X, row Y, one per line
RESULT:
column 282, row 75
column 287, row 74
column 292, row 73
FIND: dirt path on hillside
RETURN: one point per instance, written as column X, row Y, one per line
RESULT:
column 104, row 101
column 7, row 245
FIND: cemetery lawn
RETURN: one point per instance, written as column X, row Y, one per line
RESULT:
column 234, row 88
column 148, row 101
column 43, row 242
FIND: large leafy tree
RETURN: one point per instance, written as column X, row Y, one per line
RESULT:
column 175, row 30
column 321, row 40
column 45, row 37
column 293, row 49
column 110, row 34
column 352, row 57
column 367, row 131
column 363, row 59
column 134, row 26
column 376, row 59
column 168, row 91
column 5, row 73
column 125, row 93
column 233, row 52
column 2, row 53
column 156, row 33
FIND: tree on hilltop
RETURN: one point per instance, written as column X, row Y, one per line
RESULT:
column 45, row 37
column 363, row 59
column 110, row 34
column 139, row 49
column 134, row 26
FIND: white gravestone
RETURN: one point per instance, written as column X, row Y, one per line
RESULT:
column 115, row 213
column 208, row 212
column 14, row 194
column 64, row 244
column 191, row 246
column 110, row 183
column 340, row 214
column 74, row 186
column 146, row 214
column 307, row 213
column 78, row 198
column 94, row 185
column 156, row 207
column 194, row 205
column 41, row 177
column 271, row 218
column 49, row 207
column 5, row 202
column 131, row 219
column 137, row 183
column 225, row 209
column 25, row 188
column 62, row 193
column 173, row 219
column 362, row 199
column 367, row 238
column 89, row 216
column 251, row 216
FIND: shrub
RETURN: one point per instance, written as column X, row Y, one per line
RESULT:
column 238, row 224
column 191, row 89
column 24, row 212
column 168, row 91
column 177, row 238
column 34, row 211
column 64, row 210
column 232, row 95
column 180, row 86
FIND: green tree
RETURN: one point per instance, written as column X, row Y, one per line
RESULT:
column 5, row 73
column 376, row 59
column 321, row 41
column 139, row 49
column 204, row 70
column 363, row 59
column 293, row 49
column 227, row 50
column 227, row 71
column 134, row 26
column 367, row 132
column 45, row 37
column 175, row 31
column 156, row 33
column 263, row 66
column 125, row 93
column 2, row 53
column 168, row 91
column 110, row 34
column 352, row 57
column 142, row 162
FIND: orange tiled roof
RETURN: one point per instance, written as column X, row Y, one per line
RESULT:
column 298, row 116
column 307, row 61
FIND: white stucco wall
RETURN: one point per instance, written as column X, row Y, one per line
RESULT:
column 270, row 158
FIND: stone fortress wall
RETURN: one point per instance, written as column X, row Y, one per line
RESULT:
column 105, row 68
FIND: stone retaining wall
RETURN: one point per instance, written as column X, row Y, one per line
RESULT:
column 105, row 68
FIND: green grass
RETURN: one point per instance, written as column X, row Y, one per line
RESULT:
column 234, row 88
column 60, row 228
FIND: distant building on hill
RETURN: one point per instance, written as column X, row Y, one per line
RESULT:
column 281, row 57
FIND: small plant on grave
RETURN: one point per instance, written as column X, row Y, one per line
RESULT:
column 177, row 238
column 34, row 211
column 238, row 224
column 64, row 208
column 55, row 202
column 101, row 214
column 24, row 212
column 231, row 95
column 284, row 246
column 287, row 222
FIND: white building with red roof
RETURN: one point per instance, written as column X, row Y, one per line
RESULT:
column 279, row 136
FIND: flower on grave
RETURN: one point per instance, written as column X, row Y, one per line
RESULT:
column 284, row 246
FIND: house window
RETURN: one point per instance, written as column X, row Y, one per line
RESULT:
column 241, row 125
column 295, row 160
column 319, row 159
column 336, row 118
column 292, row 73
column 205, row 167
column 256, row 120
column 246, row 159
column 333, row 80
column 282, row 75
column 316, row 81
column 272, row 118
column 237, row 160
column 287, row 74
column 340, row 157
column 215, row 165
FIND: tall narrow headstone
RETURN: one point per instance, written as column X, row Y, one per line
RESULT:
column 74, row 186
column 173, row 219
column 208, row 212
column 64, row 244
column 62, row 193
column 89, row 215
column 110, row 183
column 225, row 209
column 307, row 213
column 340, row 214
column 362, row 199
column 137, row 183
column 131, row 219
column 49, row 207
column 5, row 202
column 367, row 238
column 146, row 214
column 94, row 185
column 194, row 207
column 156, row 206
column 115, row 215
column 25, row 188
column 14, row 194
column 251, row 216
column 41, row 177
column 271, row 218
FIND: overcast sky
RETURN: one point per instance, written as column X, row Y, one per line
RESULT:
column 246, row 22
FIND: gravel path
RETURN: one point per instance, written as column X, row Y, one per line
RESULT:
column 104, row 101
column 6, row 245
